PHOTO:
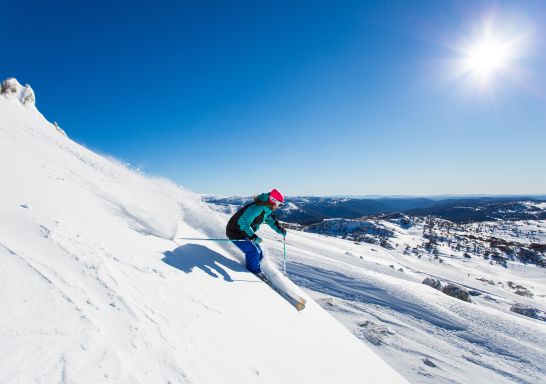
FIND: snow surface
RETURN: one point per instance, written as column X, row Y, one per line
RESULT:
column 428, row 336
column 95, row 288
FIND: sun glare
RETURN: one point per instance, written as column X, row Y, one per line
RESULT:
column 487, row 57
column 491, row 51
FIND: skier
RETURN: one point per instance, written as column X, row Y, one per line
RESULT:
column 247, row 220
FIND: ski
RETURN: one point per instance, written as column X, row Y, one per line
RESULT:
column 298, row 303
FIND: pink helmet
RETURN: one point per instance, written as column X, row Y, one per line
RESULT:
column 276, row 198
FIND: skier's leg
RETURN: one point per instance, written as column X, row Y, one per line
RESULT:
column 260, row 250
column 253, row 259
column 253, row 255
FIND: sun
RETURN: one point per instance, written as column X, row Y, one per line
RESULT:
column 486, row 58
column 490, row 53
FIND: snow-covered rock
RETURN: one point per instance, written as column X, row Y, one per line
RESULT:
column 434, row 283
column 449, row 289
column 375, row 333
column 27, row 96
column 526, row 310
column 457, row 292
column 12, row 88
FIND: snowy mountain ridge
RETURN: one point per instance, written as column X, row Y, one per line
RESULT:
column 97, row 286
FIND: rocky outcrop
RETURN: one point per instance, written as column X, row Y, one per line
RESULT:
column 457, row 291
column 12, row 88
column 450, row 289
column 27, row 96
column 526, row 310
column 434, row 283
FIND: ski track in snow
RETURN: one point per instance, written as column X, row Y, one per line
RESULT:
column 352, row 289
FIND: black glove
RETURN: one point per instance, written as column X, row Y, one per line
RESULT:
column 255, row 239
column 282, row 230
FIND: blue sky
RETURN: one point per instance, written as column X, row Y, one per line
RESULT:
column 318, row 97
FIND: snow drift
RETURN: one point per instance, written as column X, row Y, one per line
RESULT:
column 94, row 288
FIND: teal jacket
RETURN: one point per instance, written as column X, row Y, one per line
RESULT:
column 247, row 220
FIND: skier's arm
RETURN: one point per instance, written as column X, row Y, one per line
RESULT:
column 273, row 222
column 247, row 218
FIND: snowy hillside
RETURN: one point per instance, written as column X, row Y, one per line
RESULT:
column 369, row 273
column 93, row 288
column 429, row 336
column 500, row 241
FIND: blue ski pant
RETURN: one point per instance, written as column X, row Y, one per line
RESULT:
column 253, row 254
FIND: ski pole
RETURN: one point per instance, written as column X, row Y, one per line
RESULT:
column 284, row 247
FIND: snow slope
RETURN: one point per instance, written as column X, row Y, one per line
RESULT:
column 428, row 336
column 93, row 288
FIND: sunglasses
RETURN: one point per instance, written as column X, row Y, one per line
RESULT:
column 276, row 202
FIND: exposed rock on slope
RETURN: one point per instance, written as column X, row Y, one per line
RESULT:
column 12, row 88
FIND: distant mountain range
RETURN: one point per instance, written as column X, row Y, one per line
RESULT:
column 307, row 210
column 499, row 229
column 471, row 210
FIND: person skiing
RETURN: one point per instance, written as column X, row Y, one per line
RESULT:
column 244, row 224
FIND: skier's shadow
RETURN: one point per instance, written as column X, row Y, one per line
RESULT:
column 189, row 256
